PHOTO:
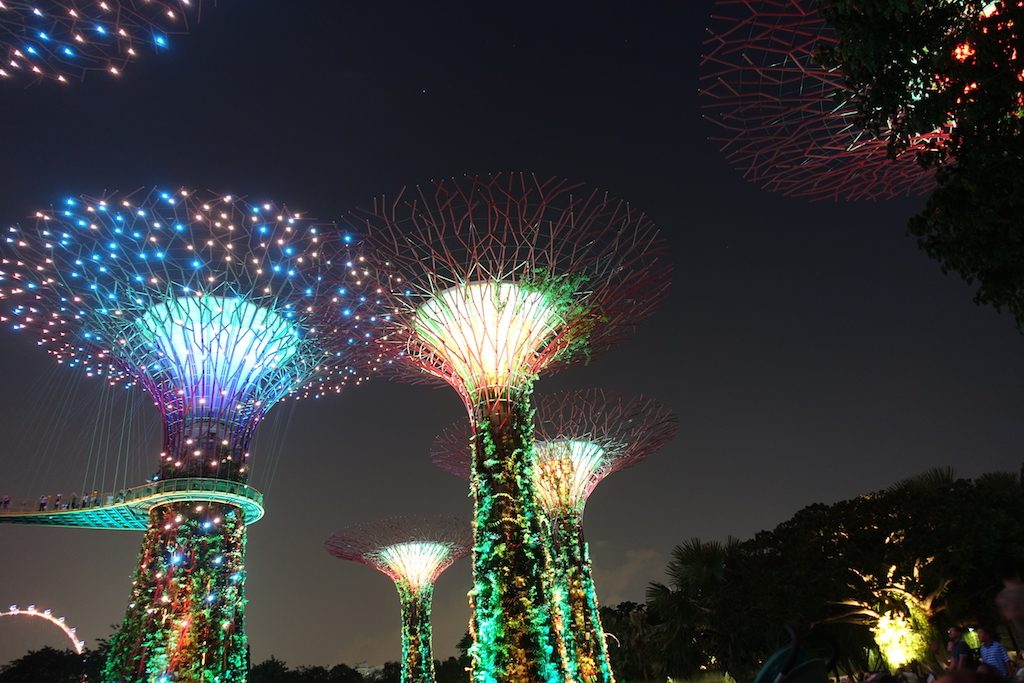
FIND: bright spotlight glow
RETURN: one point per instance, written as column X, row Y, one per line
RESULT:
column 487, row 331
column 214, row 348
column 896, row 639
column 566, row 471
column 417, row 562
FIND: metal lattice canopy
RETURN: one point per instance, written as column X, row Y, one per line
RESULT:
column 217, row 307
column 783, row 119
column 491, row 280
column 414, row 550
column 61, row 42
column 581, row 437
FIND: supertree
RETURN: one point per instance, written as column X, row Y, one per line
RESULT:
column 218, row 310
column 581, row 438
column 413, row 552
column 491, row 281
column 786, row 125
column 50, row 40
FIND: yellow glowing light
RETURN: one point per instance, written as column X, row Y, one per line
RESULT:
column 565, row 473
column 416, row 562
column 897, row 640
column 488, row 332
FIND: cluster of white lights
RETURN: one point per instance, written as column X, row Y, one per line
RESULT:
column 487, row 332
column 31, row 611
column 416, row 562
column 566, row 472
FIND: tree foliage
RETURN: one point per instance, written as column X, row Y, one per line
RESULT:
column 935, row 538
column 948, row 77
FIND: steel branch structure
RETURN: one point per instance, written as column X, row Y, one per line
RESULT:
column 783, row 124
column 413, row 552
column 61, row 41
column 581, row 438
column 217, row 308
column 490, row 281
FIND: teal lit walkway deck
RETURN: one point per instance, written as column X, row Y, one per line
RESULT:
column 132, row 512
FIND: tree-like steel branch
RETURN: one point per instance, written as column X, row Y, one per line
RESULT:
column 218, row 308
column 369, row 544
column 581, row 438
column 487, row 282
column 413, row 552
column 585, row 268
column 785, row 124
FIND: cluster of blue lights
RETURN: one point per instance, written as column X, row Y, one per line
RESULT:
column 65, row 41
column 109, row 285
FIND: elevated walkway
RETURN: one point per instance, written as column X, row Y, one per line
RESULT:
column 130, row 510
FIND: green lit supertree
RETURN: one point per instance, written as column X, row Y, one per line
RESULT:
column 581, row 438
column 218, row 309
column 413, row 552
column 489, row 282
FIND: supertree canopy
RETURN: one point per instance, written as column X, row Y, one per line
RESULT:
column 785, row 123
column 490, row 282
column 60, row 41
column 413, row 552
column 581, row 438
column 217, row 308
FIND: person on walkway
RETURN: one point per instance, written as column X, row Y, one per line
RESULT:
column 5, row 503
column 73, row 503
column 961, row 657
column 56, row 503
column 42, row 503
column 993, row 653
column 95, row 498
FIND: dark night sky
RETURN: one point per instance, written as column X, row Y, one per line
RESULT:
column 810, row 350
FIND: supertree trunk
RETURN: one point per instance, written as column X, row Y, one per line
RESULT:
column 417, row 656
column 514, row 634
column 185, row 621
column 584, row 634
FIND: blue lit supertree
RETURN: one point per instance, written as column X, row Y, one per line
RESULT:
column 412, row 552
column 218, row 309
column 61, row 41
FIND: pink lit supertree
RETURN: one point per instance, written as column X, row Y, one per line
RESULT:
column 489, row 282
column 581, row 438
column 62, row 41
column 785, row 123
column 412, row 552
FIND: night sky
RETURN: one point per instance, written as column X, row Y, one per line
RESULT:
column 811, row 351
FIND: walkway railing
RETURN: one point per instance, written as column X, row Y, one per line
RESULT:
column 129, row 508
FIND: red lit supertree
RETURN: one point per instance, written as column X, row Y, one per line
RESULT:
column 61, row 41
column 413, row 552
column 490, row 281
column 581, row 438
column 785, row 124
